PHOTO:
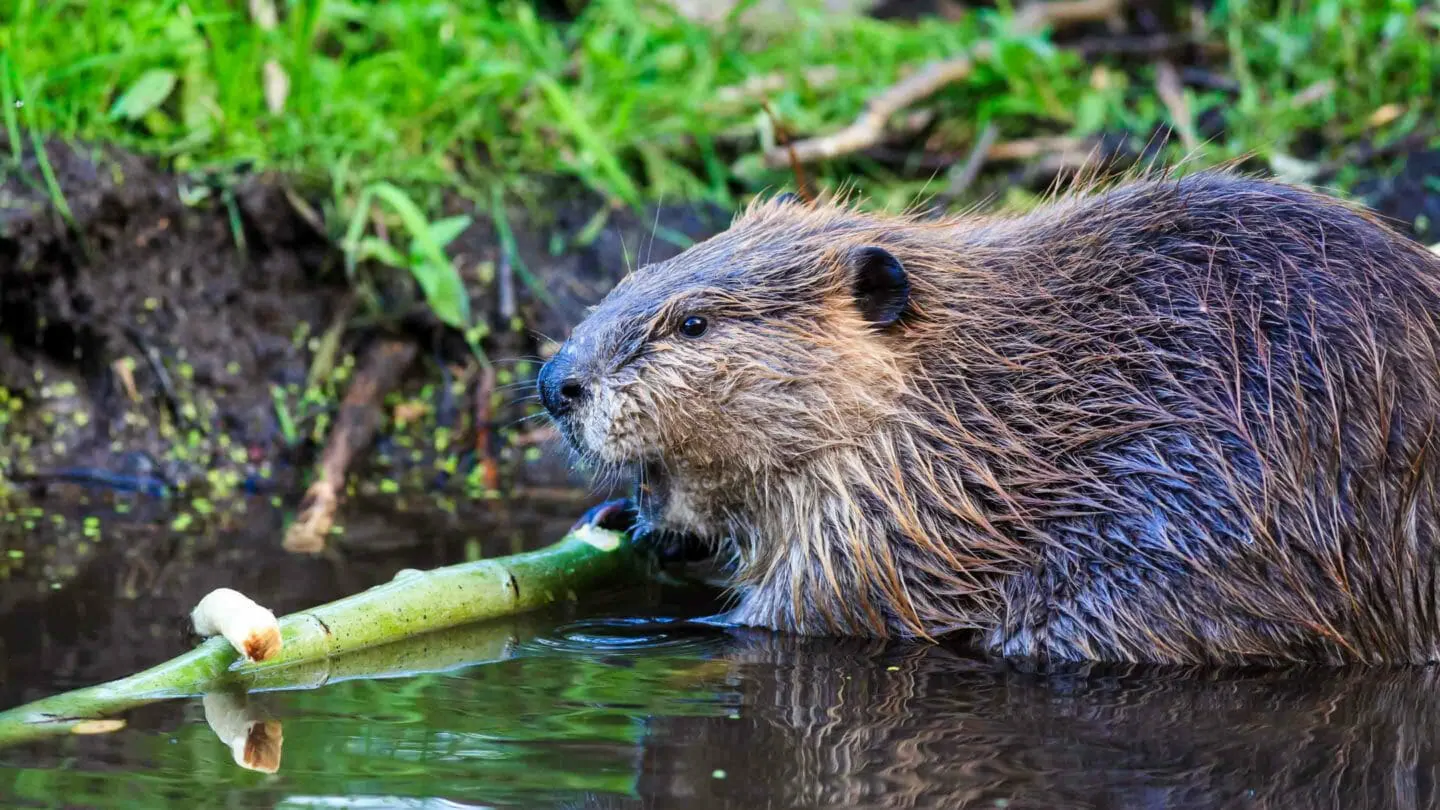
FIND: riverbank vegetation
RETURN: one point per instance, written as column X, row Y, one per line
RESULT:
column 639, row 102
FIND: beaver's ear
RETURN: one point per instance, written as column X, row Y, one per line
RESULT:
column 880, row 285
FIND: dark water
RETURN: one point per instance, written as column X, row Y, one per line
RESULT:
column 605, row 708
column 560, row 713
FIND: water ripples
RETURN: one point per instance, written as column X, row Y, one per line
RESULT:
column 610, row 636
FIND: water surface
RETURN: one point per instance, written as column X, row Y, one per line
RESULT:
column 601, row 707
column 608, row 714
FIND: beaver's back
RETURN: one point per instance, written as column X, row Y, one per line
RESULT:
column 1215, row 402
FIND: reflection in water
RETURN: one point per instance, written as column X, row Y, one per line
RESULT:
column 627, row 713
column 827, row 724
column 253, row 738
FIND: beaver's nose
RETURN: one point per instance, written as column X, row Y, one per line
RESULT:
column 560, row 389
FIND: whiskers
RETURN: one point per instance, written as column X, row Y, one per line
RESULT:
column 518, row 385
column 654, row 228
column 544, row 432
column 533, row 359
column 531, row 421
column 605, row 477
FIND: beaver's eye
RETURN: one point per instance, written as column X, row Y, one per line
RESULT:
column 694, row 326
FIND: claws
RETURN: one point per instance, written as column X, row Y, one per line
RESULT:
column 672, row 547
column 618, row 515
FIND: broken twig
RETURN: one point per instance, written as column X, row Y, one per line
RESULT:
column 250, row 628
column 962, row 176
column 1172, row 95
column 869, row 127
column 384, row 364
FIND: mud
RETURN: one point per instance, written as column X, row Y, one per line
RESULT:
column 1410, row 196
column 144, row 344
column 160, row 322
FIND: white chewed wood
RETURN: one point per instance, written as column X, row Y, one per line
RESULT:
column 597, row 537
column 251, row 629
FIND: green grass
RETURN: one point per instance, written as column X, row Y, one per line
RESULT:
column 469, row 96
column 1373, row 53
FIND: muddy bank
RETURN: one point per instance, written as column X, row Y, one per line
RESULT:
column 188, row 338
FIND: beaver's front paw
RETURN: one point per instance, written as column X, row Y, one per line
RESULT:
column 618, row 515
column 621, row 515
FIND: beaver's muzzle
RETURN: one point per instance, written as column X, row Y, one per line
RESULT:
column 561, row 389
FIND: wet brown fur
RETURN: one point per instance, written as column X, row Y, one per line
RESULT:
column 1182, row 420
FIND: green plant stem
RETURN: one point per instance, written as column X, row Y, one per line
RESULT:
column 437, row 651
column 412, row 604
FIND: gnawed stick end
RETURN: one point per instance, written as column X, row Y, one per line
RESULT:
column 261, row 751
column 251, row 629
column 262, row 643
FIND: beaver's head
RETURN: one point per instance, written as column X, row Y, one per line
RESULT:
column 738, row 358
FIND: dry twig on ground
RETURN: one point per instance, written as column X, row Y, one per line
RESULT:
column 379, row 372
column 274, row 81
column 869, row 128
column 1172, row 95
column 962, row 176
column 1030, row 148
column 1064, row 13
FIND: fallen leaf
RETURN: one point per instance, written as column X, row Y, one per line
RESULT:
column 277, row 86
column 1385, row 114
column 104, row 725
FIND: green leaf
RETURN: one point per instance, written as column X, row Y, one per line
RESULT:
column 593, row 146
column 444, row 290
column 148, row 92
column 374, row 248
column 199, row 103
column 445, row 231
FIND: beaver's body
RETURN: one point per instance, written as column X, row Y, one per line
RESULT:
column 1184, row 420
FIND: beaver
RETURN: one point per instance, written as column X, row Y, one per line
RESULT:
column 1175, row 419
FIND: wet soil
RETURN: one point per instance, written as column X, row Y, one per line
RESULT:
column 148, row 336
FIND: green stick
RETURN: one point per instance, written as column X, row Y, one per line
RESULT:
column 410, row 605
